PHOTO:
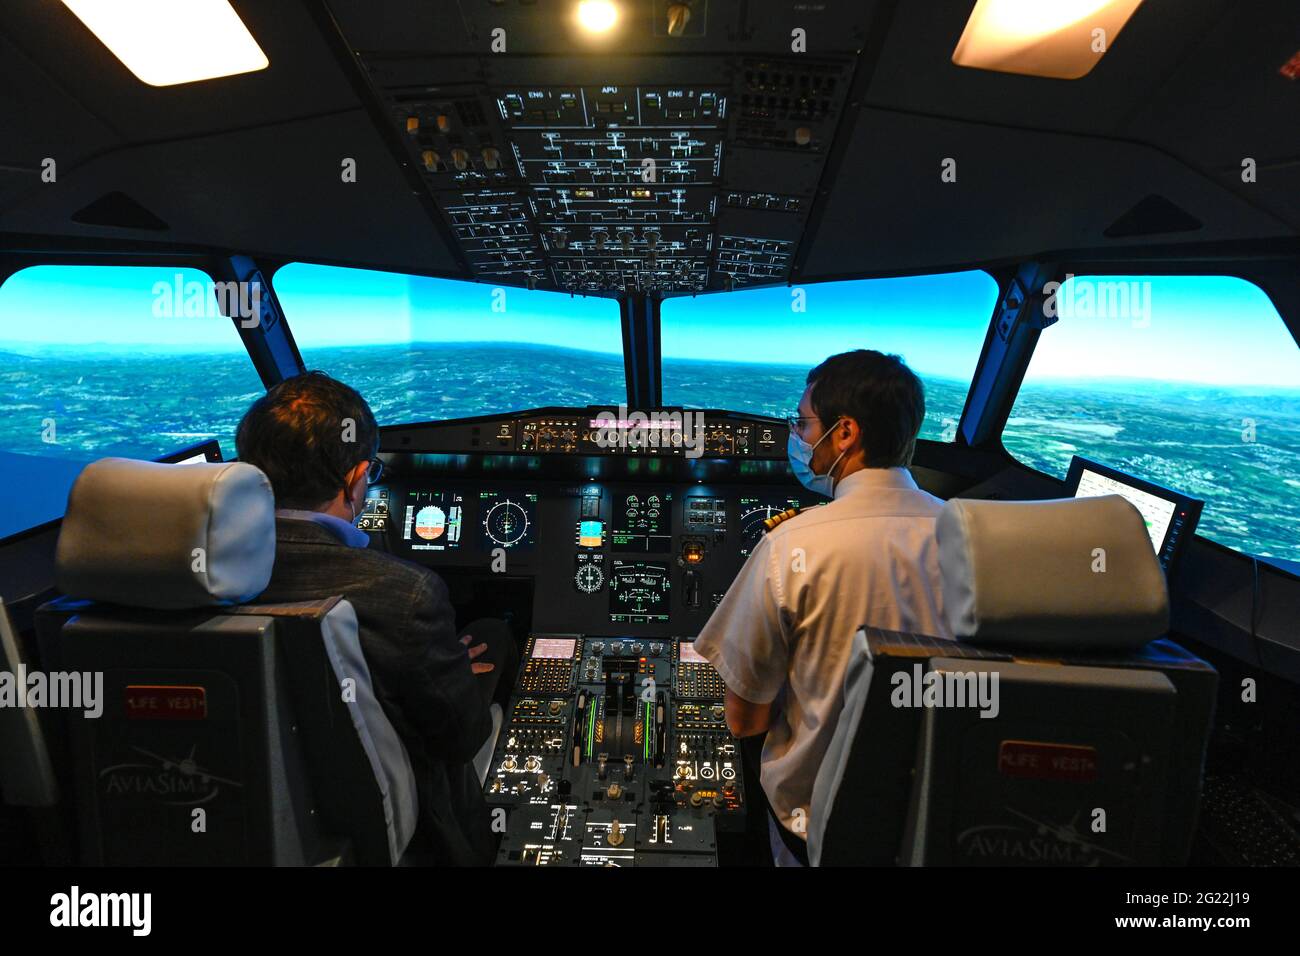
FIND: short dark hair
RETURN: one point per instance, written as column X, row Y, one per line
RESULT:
column 298, row 434
column 880, row 393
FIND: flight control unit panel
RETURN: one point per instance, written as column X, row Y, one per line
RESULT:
column 615, row 752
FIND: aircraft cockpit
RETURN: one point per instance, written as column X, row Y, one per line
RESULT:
column 595, row 271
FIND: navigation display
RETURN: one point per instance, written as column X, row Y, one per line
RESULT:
column 638, row 592
column 431, row 520
column 509, row 520
column 753, row 512
column 643, row 522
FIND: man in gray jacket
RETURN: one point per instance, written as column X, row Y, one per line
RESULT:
column 316, row 439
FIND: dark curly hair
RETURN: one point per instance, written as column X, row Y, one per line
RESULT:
column 306, row 434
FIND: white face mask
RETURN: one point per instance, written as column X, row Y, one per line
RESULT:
column 801, row 453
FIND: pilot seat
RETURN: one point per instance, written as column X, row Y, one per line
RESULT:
column 230, row 733
column 1059, row 728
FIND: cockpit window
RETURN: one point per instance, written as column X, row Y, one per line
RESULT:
column 751, row 350
column 421, row 349
column 110, row 360
column 1192, row 382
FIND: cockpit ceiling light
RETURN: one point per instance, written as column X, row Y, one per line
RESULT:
column 597, row 16
column 1063, row 39
column 166, row 42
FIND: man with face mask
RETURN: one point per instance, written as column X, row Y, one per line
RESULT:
column 782, row 634
column 317, row 441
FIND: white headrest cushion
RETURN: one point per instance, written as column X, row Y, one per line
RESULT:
column 1078, row 572
column 167, row 536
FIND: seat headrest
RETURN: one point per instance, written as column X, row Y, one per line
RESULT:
column 1077, row 572
column 167, row 536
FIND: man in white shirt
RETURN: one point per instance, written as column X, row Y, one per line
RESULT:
column 782, row 634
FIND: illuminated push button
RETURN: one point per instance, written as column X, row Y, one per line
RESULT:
column 444, row 122
column 413, row 124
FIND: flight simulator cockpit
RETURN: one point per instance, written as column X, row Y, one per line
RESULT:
column 871, row 430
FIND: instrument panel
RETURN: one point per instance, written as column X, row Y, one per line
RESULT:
column 652, row 558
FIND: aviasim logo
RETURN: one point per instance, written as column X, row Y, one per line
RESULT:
column 103, row 909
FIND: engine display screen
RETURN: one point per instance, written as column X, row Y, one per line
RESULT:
column 643, row 522
column 509, row 520
column 638, row 592
column 431, row 520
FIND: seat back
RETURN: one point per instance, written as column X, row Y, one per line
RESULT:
column 1056, row 730
column 220, row 732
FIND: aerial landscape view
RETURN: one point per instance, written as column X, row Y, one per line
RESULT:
column 404, row 342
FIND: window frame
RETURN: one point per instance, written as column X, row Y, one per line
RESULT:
column 1264, row 274
column 12, row 263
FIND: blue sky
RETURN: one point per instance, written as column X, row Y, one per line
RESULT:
column 937, row 323
column 1210, row 330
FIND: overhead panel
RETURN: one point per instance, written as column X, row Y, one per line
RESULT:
column 644, row 172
